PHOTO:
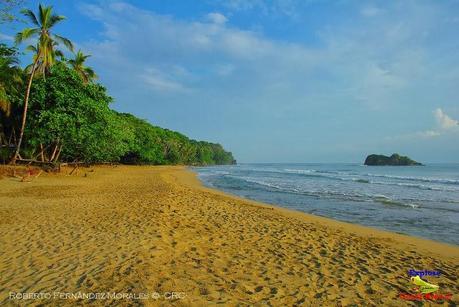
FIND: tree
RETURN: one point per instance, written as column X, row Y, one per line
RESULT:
column 155, row 145
column 73, row 120
column 77, row 63
column 67, row 117
column 10, row 77
column 10, row 95
column 45, row 55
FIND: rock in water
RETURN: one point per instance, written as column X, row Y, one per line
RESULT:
column 395, row 159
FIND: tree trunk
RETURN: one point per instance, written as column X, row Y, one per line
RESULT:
column 42, row 155
column 58, row 154
column 24, row 114
column 54, row 152
column 13, row 136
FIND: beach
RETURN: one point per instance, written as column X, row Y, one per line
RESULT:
column 420, row 201
column 156, row 236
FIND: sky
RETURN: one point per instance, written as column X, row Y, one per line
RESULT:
column 281, row 81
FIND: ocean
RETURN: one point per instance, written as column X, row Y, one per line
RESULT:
column 422, row 201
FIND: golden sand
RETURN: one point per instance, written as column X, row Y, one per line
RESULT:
column 151, row 231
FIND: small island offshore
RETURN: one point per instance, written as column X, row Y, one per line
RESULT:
column 394, row 160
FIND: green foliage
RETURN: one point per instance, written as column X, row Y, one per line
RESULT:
column 155, row 145
column 78, row 64
column 10, row 77
column 65, row 112
column 395, row 160
column 45, row 54
column 45, row 51
column 67, row 117
column 11, row 89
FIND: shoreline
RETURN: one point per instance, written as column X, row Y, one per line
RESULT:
column 142, row 229
column 430, row 246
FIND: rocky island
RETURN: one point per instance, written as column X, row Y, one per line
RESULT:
column 394, row 160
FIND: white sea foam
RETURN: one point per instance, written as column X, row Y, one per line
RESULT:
column 391, row 198
column 411, row 178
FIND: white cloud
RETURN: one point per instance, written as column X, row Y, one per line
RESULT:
column 193, row 46
column 371, row 11
column 161, row 82
column 217, row 18
column 445, row 125
column 243, row 4
column 428, row 134
column 376, row 63
column 6, row 37
column 444, row 121
column 289, row 8
column 244, row 78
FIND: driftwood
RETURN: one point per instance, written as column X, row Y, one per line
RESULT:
column 76, row 166
column 75, row 169
column 47, row 166
column 54, row 166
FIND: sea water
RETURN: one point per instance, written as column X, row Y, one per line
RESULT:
column 421, row 201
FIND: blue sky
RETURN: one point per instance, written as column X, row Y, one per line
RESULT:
column 281, row 81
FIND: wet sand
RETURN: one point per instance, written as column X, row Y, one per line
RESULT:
column 157, row 234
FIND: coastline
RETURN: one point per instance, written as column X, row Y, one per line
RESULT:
column 407, row 241
column 143, row 229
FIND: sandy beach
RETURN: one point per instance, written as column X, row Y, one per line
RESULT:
column 157, row 234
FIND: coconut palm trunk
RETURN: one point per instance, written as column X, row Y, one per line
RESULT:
column 45, row 53
column 24, row 114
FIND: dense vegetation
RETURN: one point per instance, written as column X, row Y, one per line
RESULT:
column 151, row 144
column 63, row 115
column 394, row 160
column 53, row 110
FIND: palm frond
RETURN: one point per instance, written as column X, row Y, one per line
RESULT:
column 5, row 105
column 25, row 34
column 84, row 57
column 8, row 62
column 54, row 19
column 44, row 13
column 28, row 68
column 17, row 78
column 32, row 48
column 80, row 58
column 87, row 74
column 65, row 41
column 59, row 54
column 31, row 16
column 90, row 73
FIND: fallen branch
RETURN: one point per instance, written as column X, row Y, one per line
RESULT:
column 47, row 166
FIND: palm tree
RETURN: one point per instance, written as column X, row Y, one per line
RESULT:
column 86, row 73
column 9, row 76
column 10, row 81
column 42, row 67
column 45, row 52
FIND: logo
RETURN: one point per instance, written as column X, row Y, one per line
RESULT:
column 424, row 273
column 422, row 289
column 423, row 286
